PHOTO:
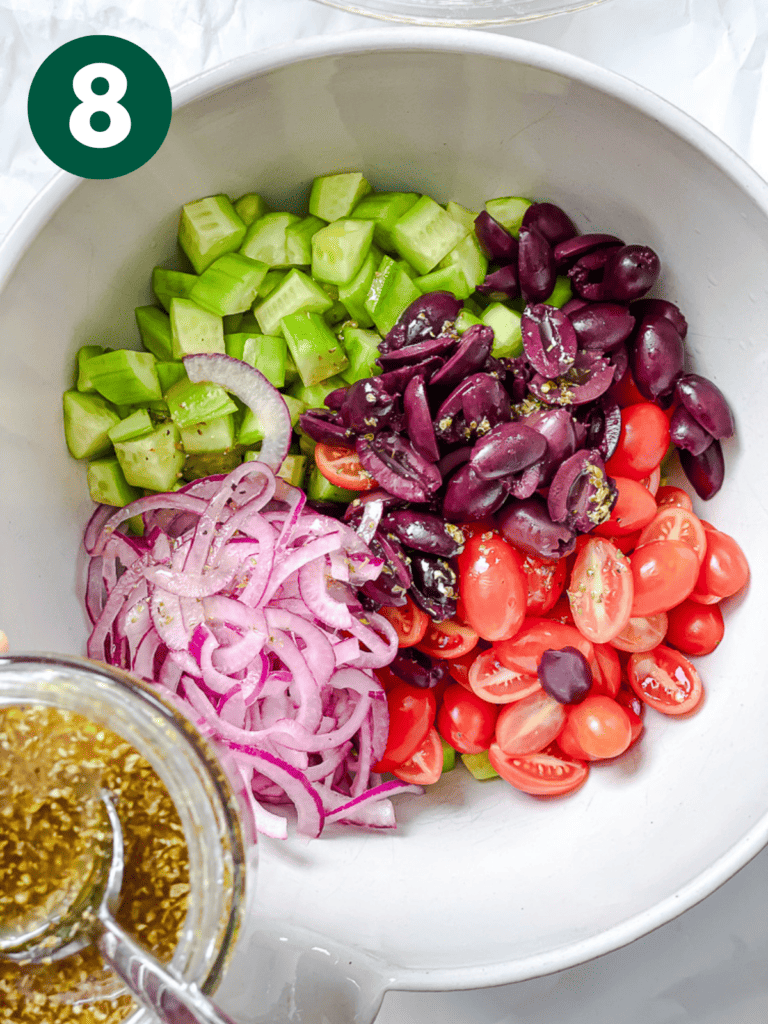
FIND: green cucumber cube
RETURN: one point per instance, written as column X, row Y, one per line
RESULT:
column 155, row 330
column 362, row 348
column 210, row 463
column 307, row 444
column 391, row 291
column 314, row 396
column 154, row 461
column 291, row 373
column 426, row 233
column 270, row 282
column 263, row 352
column 190, row 403
column 461, row 215
column 214, row 435
column 229, row 285
column 508, row 211
column 465, row 320
column 355, row 292
column 251, row 428
column 446, row 279
column 171, row 284
column 470, row 259
column 339, row 250
column 107, row 484
column 334, row 196
column 124, row 377
column 208, row 228
column 292, row 469
column 297, row 293
column 87, row 421
column 449, row 756
column 265, row 239
column 298, row 240
column 384, row 209
column 84, row 382
column 561, row 293
column 479, row 766
column 168, row 373
column 138, row 424
column 195, row 330
column 313, row 346
column 507, row 334
column 320, row 489
column 232, row 321
column 250, row 207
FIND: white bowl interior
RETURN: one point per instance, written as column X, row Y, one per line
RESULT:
column 479, row 884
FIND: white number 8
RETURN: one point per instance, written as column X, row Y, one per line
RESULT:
column 92, row 103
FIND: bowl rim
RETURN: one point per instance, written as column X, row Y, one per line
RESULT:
column 535, row 55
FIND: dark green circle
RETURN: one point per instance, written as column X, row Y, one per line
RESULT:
column 52, row 100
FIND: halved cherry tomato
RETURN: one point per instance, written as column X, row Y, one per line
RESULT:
column 411, row 713
column 642, row 633
column 643, row 441
column 675, row 523
column 675, row 496
column 448, row 639
column 341, row 466
column 425, row 766
column 634, row 708
column 664, row 573
column 724, row 571
column 653, row 481
column 546, row 581
column 528, row 725
column 625, row 392
column 542, row 774
column 695, row 628
column 607, row 679
column 634, row 509
column 465, row 720
column 601, row 590
column 596, row 729
column 497, row 684
column 459, row 668
column 561, row 612
column 476, row 527
column 492, row 586
column 665, row 680
column 409, row 621
column 386, row 677
column 523, row 652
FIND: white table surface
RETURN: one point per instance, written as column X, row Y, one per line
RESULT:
column 709, row 57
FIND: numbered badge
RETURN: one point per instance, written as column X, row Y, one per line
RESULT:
column 99, row 107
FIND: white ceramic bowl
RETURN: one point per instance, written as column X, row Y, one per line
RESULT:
column 479, row 885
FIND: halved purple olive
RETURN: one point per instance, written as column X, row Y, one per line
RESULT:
column 535, row 265
column 526, row 482
column 453, row 459
column 440, row 345
column 601, row 326
column 324, row 425
column 354, row 510
column 528, row 525
column 581, row 494
column 495, row 241
column 418, row 420
column 568, row 252
column 556, row 426
column 685, row 432
column 588, row 378
column 473, row 408
column 550, row 221
column 706, row 471
column 656, row 357
column 549, row 339
column 397, row 466
column 435, row 586
column 508, row 448
column 501, row 284
column 469, row 497
column 426, row 317
column 417, row 668
column 367, row 406
column 470, row 356
column 424, row 532
column 706, row 403
column 630, row 272
column 653, row 308
column 602, row 426
column 586, row 274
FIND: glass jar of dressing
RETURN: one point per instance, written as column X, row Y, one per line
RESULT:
column 70, row 724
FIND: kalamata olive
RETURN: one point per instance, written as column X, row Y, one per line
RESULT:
column 602, row 422
column 384, row 590
column 565, row 675
column 557, row 428
column 685, row 432
column 573, row 305
column 434, row 587
column 518, row 371
column 589, row 377
column 630, row 272
column 618, row 358
column 396, row 381
column 418, row 669
column 354, row 510
column 473, row 408
column 501, row 284
column 568, row 252
column 324, row 425
column 586, row 274
column 441, row 345
column 706, row 404
column 397, row 466
column 535, row 265
column 495, row 241
column 705, row 471
column 601, row 326
column 549, row 339
column 335, row 399
column 550, row 221
column 508, row 448
column 528, row 526
column 652, row 308
column 469, row 497
column 418, row 420
column 656, row 357
column 472, row 351
column 395, row 559
column 424, row 532
column 453, row 459
column 426, row 317
column 369, row 406
column 581, row 494
column 525, row 482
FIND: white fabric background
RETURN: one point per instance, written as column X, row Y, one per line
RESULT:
column 709, row 57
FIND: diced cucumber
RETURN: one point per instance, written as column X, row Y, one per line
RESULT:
column 461, row 215
column 250, row 207
column 194, row 330
column 465, row 320
column 295, row 408
column 404, row 265
column 154, row 461
column 251, row 429
column 355, row 292
column 208, row 228
column 426, row 233
column 314, row 397
column 390, row 292
column 561, row 293
column 507, row 335
column 155, row 330
column 479, row 766
column 84, row 382
column 335, row 195
column 291, row 373
column 508, row 211
column 292, row 469
column 320, row 489
column 214, row 435
column 231, row 322
column 190, row 403
column 270, row 282
column 229, row 285
column 470, row 259
column 138, row 424
column 313, row 346
column 362, row 349
column 307, row 444
column 298, row 240
column 124, row 377
column 449, row 756
column 297, row 293
column 265, row 239
column 168, row 373
column 265, row 353
column 339, row 250
column 107, row 484
column 384, row 209
column 210, row 463
column 171, row 284
column 446, row 279
column 338, row 310
column 87, row 421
